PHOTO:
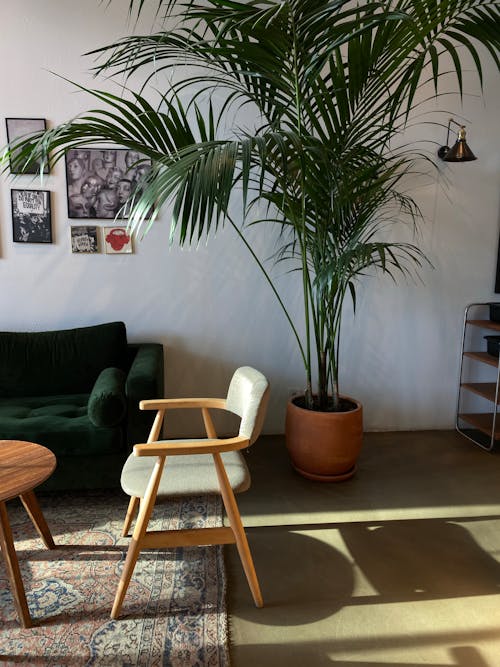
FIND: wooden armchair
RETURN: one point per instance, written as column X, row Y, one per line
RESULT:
column 161, row 469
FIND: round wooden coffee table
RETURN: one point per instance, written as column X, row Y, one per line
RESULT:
column 23, row 466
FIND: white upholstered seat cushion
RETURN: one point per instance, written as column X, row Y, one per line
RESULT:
column 193, row 474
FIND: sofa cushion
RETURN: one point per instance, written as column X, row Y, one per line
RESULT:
column 46, row 363
column 107, row 402
column 60, row 423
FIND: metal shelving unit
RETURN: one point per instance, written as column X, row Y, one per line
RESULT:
column 481, row 427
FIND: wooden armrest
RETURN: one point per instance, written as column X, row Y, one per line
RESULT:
column 169, row 448
column 174, row 403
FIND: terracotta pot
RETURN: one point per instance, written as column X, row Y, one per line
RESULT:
column 324, row 446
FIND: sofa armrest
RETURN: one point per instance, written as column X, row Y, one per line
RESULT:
column 144, row 380
column 107, row 404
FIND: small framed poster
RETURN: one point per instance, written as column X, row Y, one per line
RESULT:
column 84, row 239
column 117, row 240
column 23, row 127
column 31, row 217
column 102, row 182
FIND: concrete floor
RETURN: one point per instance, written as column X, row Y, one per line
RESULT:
column 398, row 566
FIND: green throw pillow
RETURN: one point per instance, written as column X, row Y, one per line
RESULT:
column 107, row 403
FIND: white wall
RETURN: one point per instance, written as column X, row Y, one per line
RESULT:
column 210, row 307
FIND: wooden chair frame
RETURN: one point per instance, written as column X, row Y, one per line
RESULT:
column 144, row 539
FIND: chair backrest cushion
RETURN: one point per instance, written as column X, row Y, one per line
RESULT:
column 247, row 397
column 45, row 363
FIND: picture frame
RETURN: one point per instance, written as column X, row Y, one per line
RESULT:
column 101, row 182
column 31, row 216
column 84, row 239
column 22, row 127
column 117, row 241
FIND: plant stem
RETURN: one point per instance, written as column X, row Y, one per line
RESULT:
column 303, row 230
column 268, row 278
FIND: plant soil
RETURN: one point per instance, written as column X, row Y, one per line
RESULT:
column 346, row 405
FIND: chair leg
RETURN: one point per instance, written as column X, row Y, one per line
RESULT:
column 133, row 552
column 236, row 524
column 131, row 512
column 134, row 549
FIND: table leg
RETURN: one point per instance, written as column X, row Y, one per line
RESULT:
column 12, row 567
column 35, row 514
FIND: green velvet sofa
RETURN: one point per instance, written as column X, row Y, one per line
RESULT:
column 77, row 392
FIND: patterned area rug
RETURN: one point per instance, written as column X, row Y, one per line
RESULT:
column 174, row 611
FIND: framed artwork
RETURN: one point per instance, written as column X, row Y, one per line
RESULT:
column 84, row 239
column 31, row 218
column 117, row 241
column 101, row 182
column 21, row 127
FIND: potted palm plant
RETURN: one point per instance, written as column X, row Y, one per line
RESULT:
column 332, row 84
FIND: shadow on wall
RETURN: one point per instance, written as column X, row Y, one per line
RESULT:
column 191, row 373
column 188, row 374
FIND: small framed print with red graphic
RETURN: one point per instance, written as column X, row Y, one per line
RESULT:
column 117, row 241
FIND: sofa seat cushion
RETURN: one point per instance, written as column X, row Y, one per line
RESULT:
column 60, row 423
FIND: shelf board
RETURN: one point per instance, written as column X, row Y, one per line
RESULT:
column 485, row 324
column 484, row 357
column 483, row 421
column 484, row 389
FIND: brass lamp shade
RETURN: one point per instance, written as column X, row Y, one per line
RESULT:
column 460, row 151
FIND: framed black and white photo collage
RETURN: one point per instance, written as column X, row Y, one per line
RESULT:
column 101, row 184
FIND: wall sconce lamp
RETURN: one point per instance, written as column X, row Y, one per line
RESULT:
column 459, row 152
